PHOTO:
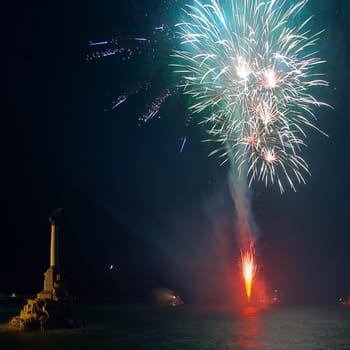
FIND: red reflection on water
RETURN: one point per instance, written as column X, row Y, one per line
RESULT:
column 248, row 335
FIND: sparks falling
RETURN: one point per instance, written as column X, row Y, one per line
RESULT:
column 251, row 67
column 248, row 268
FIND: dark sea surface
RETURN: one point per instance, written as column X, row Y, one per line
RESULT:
column 110, row 326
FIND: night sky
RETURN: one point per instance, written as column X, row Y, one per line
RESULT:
column 129, row 197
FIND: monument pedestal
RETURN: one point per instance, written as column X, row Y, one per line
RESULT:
column 54, row 286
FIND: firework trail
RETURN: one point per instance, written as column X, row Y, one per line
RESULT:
column 154, row 107
column 183, row 142
column 126, row 94
column 126, row 47
column 123, row 46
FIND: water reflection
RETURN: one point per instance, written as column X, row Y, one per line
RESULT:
column 248, row 331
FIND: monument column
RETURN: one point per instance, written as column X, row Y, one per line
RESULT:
column 53, row 283
column 54, row 243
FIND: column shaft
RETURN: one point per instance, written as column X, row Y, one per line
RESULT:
column 54, row 246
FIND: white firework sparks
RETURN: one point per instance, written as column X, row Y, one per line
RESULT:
column 250, row 67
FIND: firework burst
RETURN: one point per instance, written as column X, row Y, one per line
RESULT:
column 250, row 68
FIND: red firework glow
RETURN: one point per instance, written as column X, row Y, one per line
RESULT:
column 248, row 268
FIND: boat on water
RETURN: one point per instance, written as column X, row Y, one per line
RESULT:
column 165, row 296
column 345, row 301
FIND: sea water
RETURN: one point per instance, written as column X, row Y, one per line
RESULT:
column 115, row 327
